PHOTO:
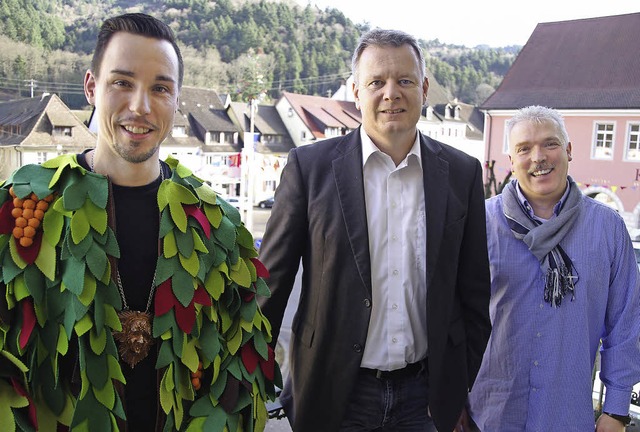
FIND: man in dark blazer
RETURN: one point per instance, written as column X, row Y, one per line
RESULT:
column 392, row 320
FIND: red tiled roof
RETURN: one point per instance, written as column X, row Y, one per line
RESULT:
column 580, row 64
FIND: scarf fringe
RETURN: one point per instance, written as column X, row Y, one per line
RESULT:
column 559, row 282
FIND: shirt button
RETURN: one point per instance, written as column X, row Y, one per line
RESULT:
column 535, row 363
column 534, row 389
column 538, row 334
column 394, row 237
column 394, row 340
column 541, row 305
column 394, row 306
column 357, row 348
column 395, row 272
column 367, row 303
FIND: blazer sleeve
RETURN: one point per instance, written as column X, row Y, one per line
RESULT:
column 474, row 282
column 284, row 242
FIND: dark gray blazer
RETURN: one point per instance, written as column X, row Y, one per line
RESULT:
column 320, row 216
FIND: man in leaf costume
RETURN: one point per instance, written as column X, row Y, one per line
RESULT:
column 129, row 286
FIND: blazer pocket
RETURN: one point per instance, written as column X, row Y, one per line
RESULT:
column 304, row 332
column 457, row 333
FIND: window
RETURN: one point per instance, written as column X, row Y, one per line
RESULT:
column 41, row 157
column 61, row 131
column 633, row 142
column 603, row 145
column 179, row 131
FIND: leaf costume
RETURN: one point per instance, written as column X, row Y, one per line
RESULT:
column 60, row 296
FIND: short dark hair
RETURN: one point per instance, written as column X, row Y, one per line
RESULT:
column 382, row 37
column 137, row 24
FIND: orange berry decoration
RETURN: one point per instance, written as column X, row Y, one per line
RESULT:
column 196, row 377
column 28, row 213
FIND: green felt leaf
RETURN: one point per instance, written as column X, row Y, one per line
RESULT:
column 234, row 368
column 58, row 206
column 216, row 421
column 111, row 247
column 15, row 256
column 111, row 318
column 191, row 264
column 106, row 395
column 206, row 194
column 165, row 356
column 75, row 195
column 73, row 275
column 240, row 274
column 169, row 245
column 88, row 291
column 233, row 344
column 97, row 369
column 46, row 260
column 190, row 355
column 210, row 341
column 183, row 287
column 98, row 314
column 226, row 234
column 97, row 342
column 198, row 244
column 196, row 424
column 90, row 409
column 63, row 341
column 262, row 289
column 15, row 360
column 202, row 407
column 97, row 216
column 245, row 239
column 260, row 345
column 20, row 290
column 79, row 225
column 230, row 212
column 61, row 163
column 214, row 214
column 166, row 224
column 178, row 339
column 35, row 283
column 52, row 393
column 218, row 386
column 178, row 215
column 52, row 226
column 166, row 390
column 183, row 171
column 172, row 192
column 83, row 325
column 162, row 323
column 96, row 260
column 248, row 310
column 184, row 240
column 115, row 371
column 9, row 268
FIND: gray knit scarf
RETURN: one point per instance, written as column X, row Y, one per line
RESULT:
column 543, row 239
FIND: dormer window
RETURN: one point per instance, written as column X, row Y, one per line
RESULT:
column 179, row 131
column 61, row 131
column 290, row 112
column 456, row 112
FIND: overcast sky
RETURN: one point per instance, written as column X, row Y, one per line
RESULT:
column 495, row 23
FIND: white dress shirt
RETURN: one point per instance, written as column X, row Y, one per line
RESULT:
column 396, row 223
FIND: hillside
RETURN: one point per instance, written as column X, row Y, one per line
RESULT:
column 240, row 47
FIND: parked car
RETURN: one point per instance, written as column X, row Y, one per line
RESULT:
column 266, row 203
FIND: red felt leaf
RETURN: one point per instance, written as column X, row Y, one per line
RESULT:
column 192, row 210
column 247, row 295
column 250, row 357
column 164, row 298
column 185, row 316
column 201, row 296
column 269, row 366
column 261, row 270
column 7, row 222
column 32, row 407
column 30, row 253
column 28, row 322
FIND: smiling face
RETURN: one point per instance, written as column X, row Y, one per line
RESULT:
column 539, row 162
column 136, row 96
column 390, row 92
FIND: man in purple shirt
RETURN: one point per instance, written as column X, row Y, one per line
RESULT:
column 563, row 279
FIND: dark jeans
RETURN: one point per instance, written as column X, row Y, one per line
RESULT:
column 380, row 405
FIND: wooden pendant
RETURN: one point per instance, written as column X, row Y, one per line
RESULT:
column 135, row 339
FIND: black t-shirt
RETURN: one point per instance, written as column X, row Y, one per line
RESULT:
column 137, row 228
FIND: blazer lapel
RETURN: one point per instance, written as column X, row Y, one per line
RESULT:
column 347, row 171
column 436, row 192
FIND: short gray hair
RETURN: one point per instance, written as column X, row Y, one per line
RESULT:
column 381, row 37
column 539, row 114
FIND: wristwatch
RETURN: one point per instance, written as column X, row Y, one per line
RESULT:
column 624, row 419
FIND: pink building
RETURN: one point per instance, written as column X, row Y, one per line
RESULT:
column 588, row 69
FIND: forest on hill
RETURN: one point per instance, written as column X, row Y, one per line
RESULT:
column 246, row 48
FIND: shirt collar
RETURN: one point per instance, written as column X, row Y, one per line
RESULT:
column 369, row 148
column 525, row 204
